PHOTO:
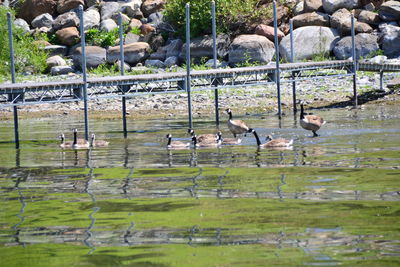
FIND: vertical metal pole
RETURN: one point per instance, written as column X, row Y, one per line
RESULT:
column 354, row 56
column 293, row 73
column 381, row 80
column 122, row 70
column 12, row 66
column 188, row 64
column 85, row 94
column 214, row 34
column 278, row 82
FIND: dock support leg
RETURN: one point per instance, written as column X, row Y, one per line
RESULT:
column 292, row 60
column 122, row 70
column 214, row 34
column 381, row 80
column 85, row 93
column 188, row 64
column 16, row 131
column 294, row 93
column 216, row 107
column 354, row 56
column 124, row 117
column 277, row 73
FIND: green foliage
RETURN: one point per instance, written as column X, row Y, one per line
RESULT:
column 27, row 57
column 375, row 53
column 135, row 30
column 230, row 15
column 102, row 38
column 105, row 69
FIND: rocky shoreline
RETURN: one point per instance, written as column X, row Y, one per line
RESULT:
column 328, row 93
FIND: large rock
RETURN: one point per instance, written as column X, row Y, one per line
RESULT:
column 54, row 50
column 154, row 63
column 91, row 18
column 390, row 11
column 55, row 61
column 171, row 61
column 331, row 6
column 69, row 19
column 173, row 48
column 44, row 20
column 369, row 17
column 390, row 40
column 341, row 20
column 311, row 19
column 298, row 9
column 22, row 24
column 251, row 48
column 61, row 70
column 68, row 36
column 268, row 32
column 362, row 27
column 133, row 53
column 134, row 24
column 130, row 8
column 203, row 47
column 313, row 5
column 95, row 56
column 30, row 9
column 365, row 44
column 108, row 9
column 151, row 6
column 131, row 38
column 308, row 42
column 66, row 5
column 108, row 25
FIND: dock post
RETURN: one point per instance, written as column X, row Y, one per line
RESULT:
column 277, row 72
column 12, row 66
column 122, row 70
column 354, row 56
column 188, row 64
column 214, row 34
column 381, row 80
column 293, row 73
column 85, row 94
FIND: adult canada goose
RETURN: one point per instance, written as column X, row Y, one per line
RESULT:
column 79, row 143
column 206, row 143
column 65, row 144
column 97, row 143
column 272, row 143
column 236, row 126
column 202, row 137
column 176, row 144
column 228, row 141
column 310, row 122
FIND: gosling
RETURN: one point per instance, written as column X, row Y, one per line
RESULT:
column 98, row 143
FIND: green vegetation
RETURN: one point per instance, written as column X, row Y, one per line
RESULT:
column 27, row 57
column 230, row 14
column 102, row 38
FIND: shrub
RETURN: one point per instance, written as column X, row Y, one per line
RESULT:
column 27, row 57
column 230, row 15
column 102, row 38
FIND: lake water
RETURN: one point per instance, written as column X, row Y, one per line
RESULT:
column 331, row 200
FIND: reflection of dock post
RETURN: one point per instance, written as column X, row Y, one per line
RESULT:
column 277, row 72
column 12, row 66
column 84, row 86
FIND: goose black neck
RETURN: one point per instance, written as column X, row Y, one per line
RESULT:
column 301, row 112
column 194, row 140
column 257, row 138
column 230, row 114
column 62, row 139
column 169, row 141
column 75, row 137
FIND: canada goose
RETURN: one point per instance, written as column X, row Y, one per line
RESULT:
column 272, row 143
column 236, row 126
column 79, row 143
column 65, row 144
column 206, row 143
column 202, row 137
column 228, row 141
column 97, row 143
column 175, row 144
column 310, row 122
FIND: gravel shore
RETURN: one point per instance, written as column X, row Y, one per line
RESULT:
column 328, row 92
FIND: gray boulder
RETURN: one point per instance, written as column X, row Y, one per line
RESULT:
column 390, row 37
column 308, row 42
column 22, row 24
column 131, row 8
column 61, row 70
column 299, row 8
column 95, row 56
column 311, row 19
column 131, row 38
column 365, row 44
column 155, row 19
column 369, row 17
column 69, row 19
column 133, row 53
column 91, row 18
column 171, row 61
column 173, row 48
column 313, row 5
column 55, row 61
column 108, row 25
column 390, row 11
column 108, row 9
column 154, row 63
column 54, row 50
column 341, row 20
column 125, row 66
column 203, row 47
column 331, row 6
column 251, row 48
column 44, row 20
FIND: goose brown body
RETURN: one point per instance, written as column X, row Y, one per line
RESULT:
column 310, row 122
column 236, row 126
column 206, row 143
column 79, row 142
column 98, row 143
column 271, row 143
column 202, row 137
column 65, row 144
column 228, row 141
column 176, row 144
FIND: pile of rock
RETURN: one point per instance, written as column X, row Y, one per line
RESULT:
column 320, row 27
